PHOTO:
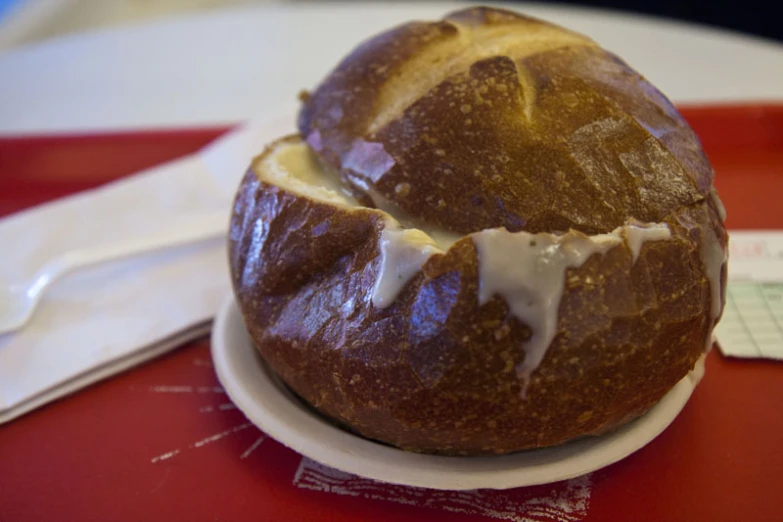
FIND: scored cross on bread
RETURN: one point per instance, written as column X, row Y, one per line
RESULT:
column 490, row 235
column 491, row 119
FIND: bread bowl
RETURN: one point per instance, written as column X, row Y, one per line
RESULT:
column 489, row 235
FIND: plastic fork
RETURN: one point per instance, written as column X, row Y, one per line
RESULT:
column 19, row 301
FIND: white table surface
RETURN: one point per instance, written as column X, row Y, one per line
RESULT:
column 228, row 66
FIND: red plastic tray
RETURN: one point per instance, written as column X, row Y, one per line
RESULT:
column 162, row 441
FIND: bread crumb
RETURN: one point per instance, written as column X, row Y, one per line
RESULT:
column 570, row 99
column 502, row 332
column 584, row 417
column 402, row 189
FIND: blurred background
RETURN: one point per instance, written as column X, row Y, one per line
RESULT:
column 26, row 21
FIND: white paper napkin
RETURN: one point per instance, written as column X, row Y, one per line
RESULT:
column 105, row 319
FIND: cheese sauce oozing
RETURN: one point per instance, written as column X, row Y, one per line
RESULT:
column 528, row 272
column 403, row 252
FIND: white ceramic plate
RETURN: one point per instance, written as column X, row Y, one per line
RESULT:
column 259, row 393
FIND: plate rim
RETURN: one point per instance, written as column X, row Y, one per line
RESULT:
column 285, row 419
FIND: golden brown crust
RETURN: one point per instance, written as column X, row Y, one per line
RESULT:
column 550, row 133
column 561, row 135
column 435, row 372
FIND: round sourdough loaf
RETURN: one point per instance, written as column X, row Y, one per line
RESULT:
column 489, row 235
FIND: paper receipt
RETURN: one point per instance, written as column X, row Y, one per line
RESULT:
column 752, row 322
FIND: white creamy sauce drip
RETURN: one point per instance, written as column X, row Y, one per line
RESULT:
column 713, row 256
column 528, row 272
column 718, row 204
column 697, row 373
column 403, row 252
column 637, row 234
